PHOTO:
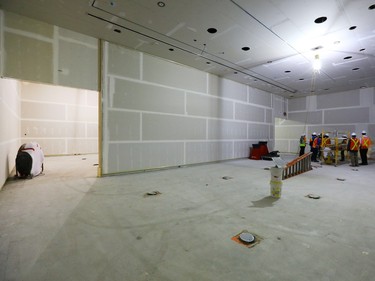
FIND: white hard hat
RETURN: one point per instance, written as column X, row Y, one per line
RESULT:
column 326, row 135
column 314, row 134
column 344, row 136
column 354, row 135
column 363, row 132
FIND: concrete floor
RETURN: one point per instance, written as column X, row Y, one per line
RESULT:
column 69, row 225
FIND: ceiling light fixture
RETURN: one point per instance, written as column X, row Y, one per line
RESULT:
column 161, row 4
column 317, row 65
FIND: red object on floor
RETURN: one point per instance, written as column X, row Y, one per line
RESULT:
column 255, row 153
column 258, row 150
column 263, row 148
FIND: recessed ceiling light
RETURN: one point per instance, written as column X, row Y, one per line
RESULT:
column 357, row 68
column 372, row 7
column 211, row 30
column 320, row 20
column 161, row 4
column 352, row 27
column 348, row 57
column 245, row 48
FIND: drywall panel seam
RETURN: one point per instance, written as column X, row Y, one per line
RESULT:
column 55, row 55
column 105, row 134
column 141, row 66
column 111, row 91
column 28, row 34
column 207, row 129
column 1, row 43
column 56, row 103
column 185, row 103
column 172, row 141
column 140, row 126
column 184, row 155
column 70, row 40
column 207, row 83
column 10, row 141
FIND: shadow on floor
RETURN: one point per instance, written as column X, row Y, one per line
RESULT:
column 264, row 202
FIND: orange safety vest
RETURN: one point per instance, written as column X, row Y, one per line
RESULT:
column 315, row 142
column 365, row 142
column 354, row 144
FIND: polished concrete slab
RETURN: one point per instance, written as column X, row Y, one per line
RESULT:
column 70, row 225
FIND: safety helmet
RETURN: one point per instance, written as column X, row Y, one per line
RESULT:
column 354, row 135
column 363, row 132
column 326, row 135
column 314, row 134
column 344, row 136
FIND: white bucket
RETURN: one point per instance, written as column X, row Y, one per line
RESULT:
column 276, row 174
column 276, row 188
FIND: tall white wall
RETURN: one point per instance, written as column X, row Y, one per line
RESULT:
column 351, row 111
column 36, row 51
column 161, row 114
column 9, row 126
column 62, row 120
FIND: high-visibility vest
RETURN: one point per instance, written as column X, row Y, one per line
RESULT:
column 354, row 144
column 365, row 142
column 315, row 142
column 302, row 141
column 326, row 141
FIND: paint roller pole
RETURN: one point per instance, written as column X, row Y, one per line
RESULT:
column 276, row 181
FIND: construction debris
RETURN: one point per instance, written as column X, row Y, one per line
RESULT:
column 152, row 193
column 312, row 196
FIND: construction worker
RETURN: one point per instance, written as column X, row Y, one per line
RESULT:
column 302, row 144
column 365, row 143
column 326, row 142
column 343, row 147
column 315, row 148
column 313, row 136
column 353, row 147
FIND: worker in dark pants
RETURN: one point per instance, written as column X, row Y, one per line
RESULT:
column 302, row 144
column 313, row 136
column 315, row 149
column 365, row 143
column 343, row 147
column 353, row 147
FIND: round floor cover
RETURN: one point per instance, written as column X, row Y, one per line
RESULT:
column 247, row 237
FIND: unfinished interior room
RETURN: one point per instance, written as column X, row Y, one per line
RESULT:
column 187, row 140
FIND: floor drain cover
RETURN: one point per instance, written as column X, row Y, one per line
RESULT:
column 247, row 237
column 313, row 196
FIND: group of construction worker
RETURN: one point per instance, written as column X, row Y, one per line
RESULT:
column 320, row 147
